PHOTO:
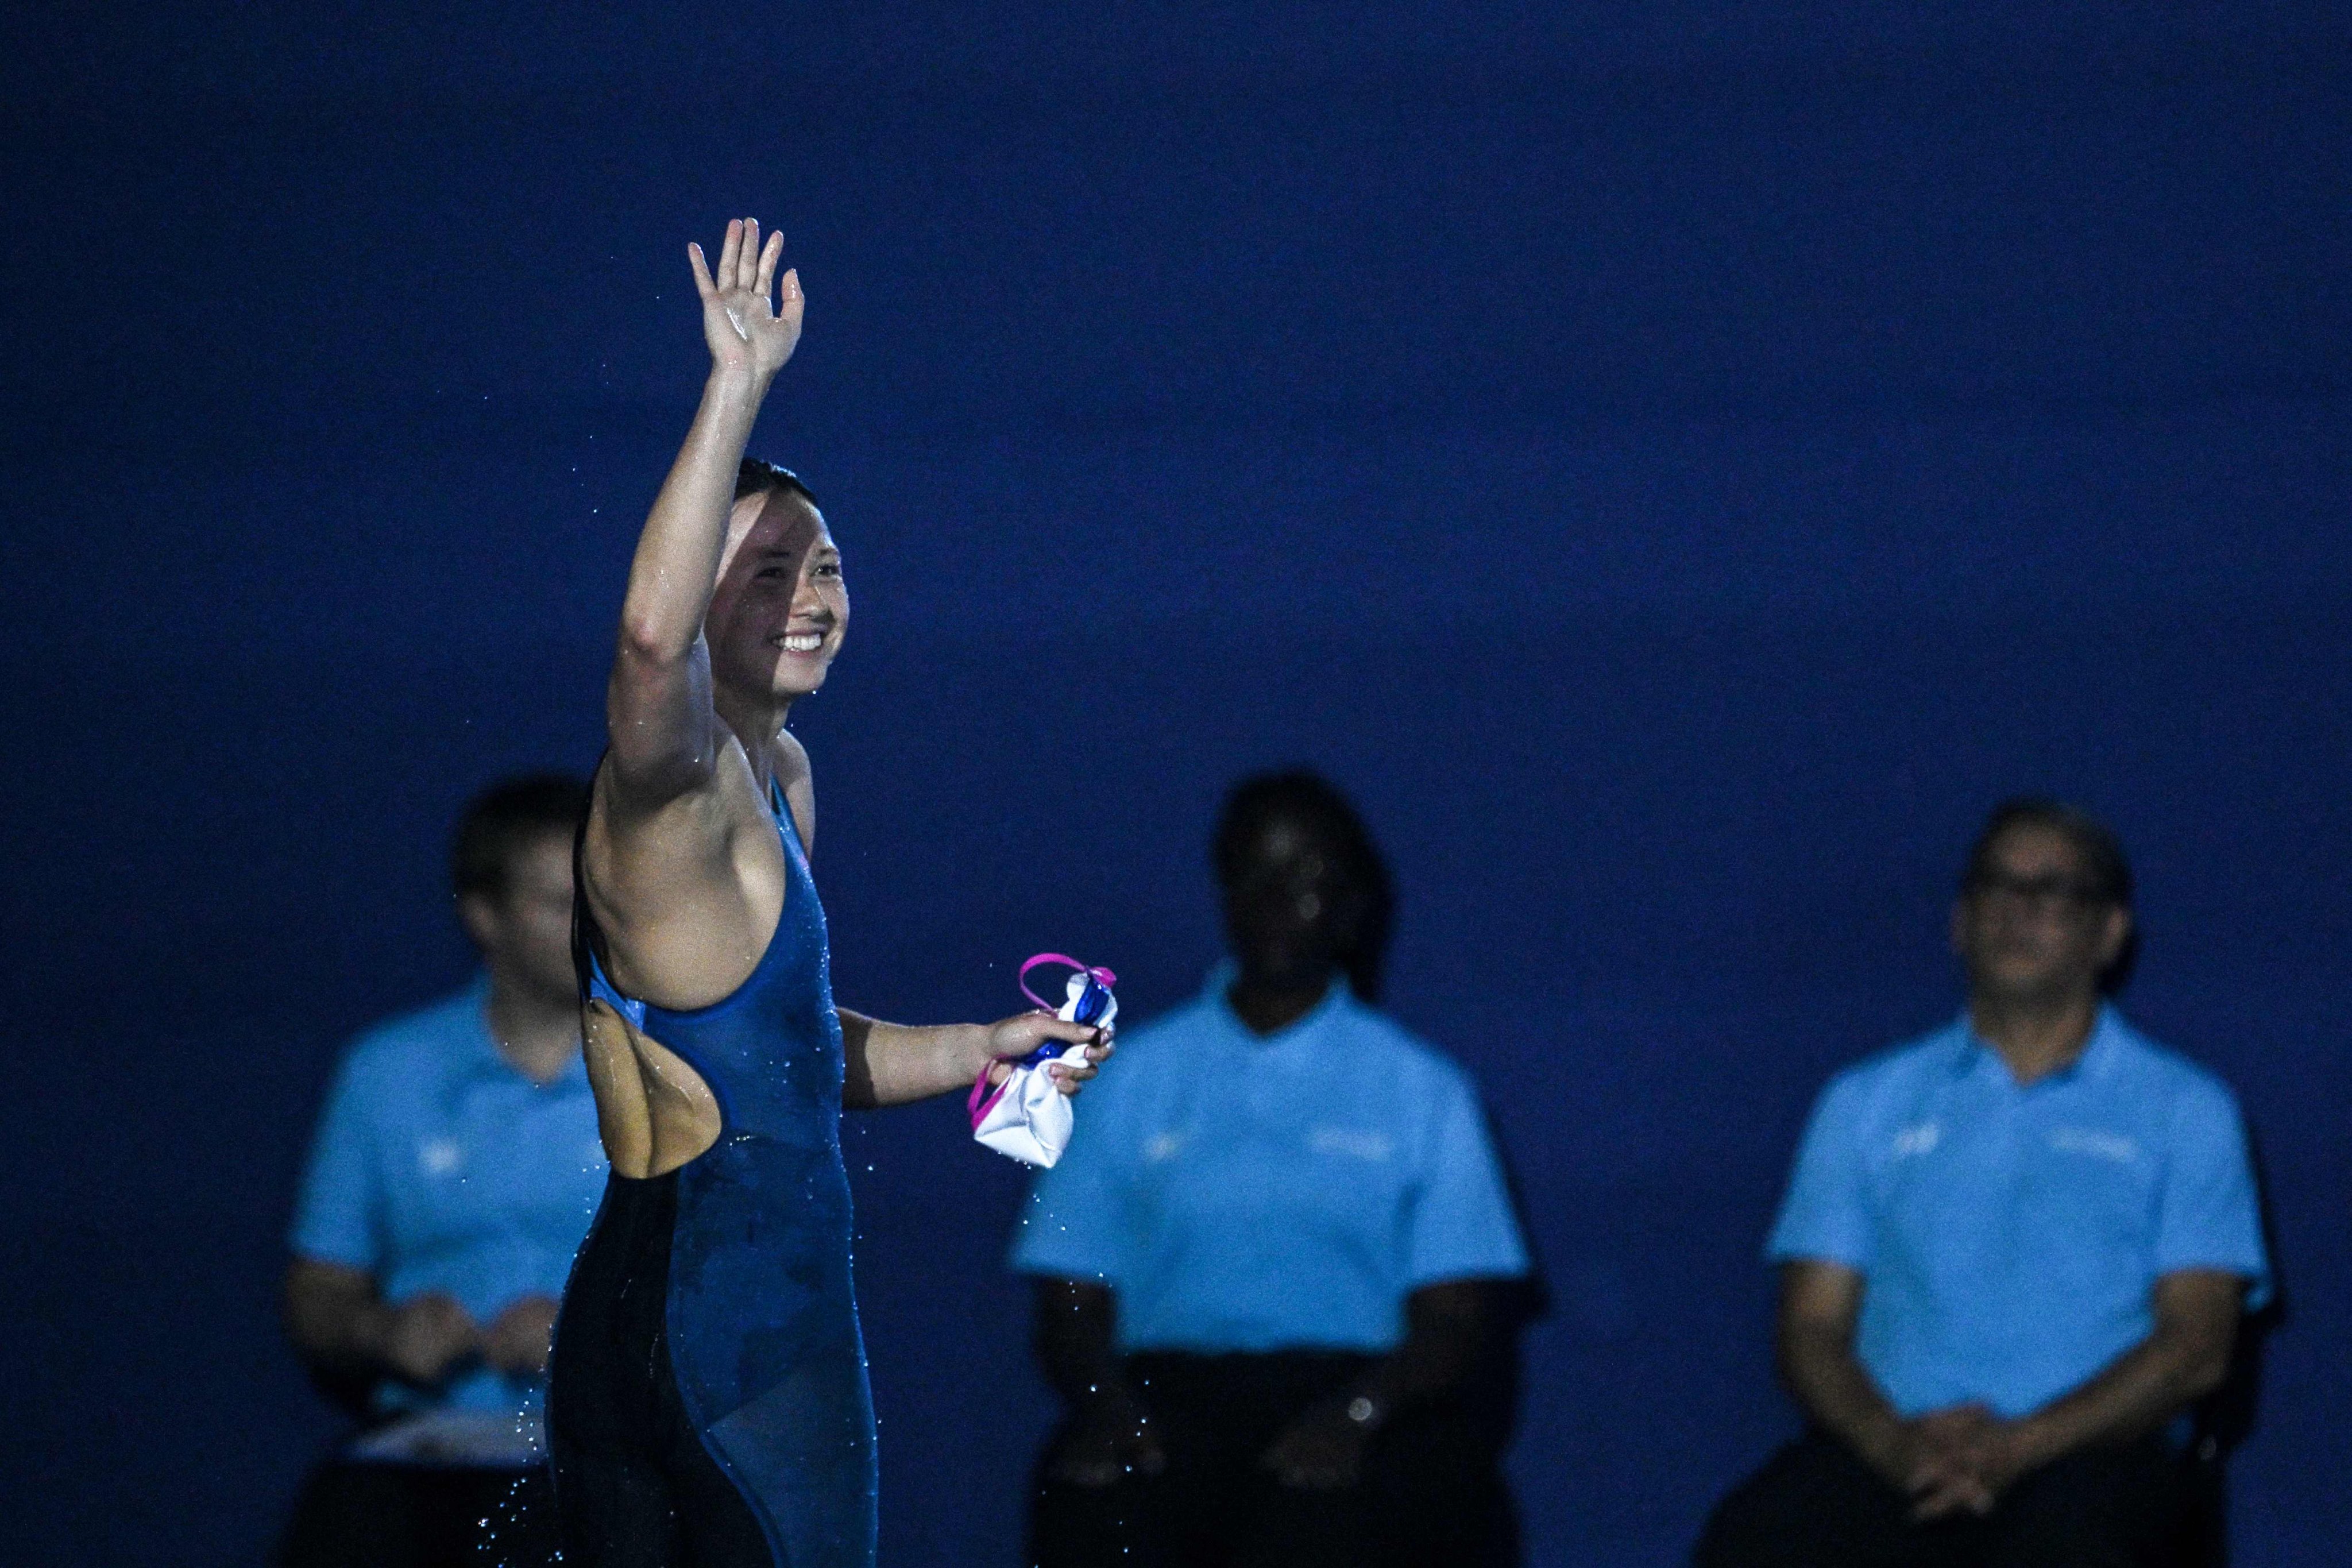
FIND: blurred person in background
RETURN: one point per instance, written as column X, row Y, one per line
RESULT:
column 1279, row 1275
column 452, row 1178
column 2013, row 1255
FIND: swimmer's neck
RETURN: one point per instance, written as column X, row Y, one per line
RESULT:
column 757, row 719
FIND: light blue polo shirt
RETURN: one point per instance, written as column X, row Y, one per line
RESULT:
column 437, row 1166
column 1240, row 1194
column 2009, row 1237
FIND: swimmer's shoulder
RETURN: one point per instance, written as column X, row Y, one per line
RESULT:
column 789, row 761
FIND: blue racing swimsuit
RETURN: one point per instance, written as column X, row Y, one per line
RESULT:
column 708, row 1401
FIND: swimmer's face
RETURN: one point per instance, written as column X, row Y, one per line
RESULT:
column 781, row 607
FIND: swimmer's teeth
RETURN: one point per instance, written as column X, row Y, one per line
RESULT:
column 803, row 642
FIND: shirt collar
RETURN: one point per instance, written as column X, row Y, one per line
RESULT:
column 1336, row 1000
column 1970, row 1054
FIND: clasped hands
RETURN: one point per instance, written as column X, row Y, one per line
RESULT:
column 1957, row 1459
column 426, row 1337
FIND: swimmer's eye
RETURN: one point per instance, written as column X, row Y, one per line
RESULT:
column 827, row 569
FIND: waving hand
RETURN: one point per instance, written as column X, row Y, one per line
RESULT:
column 747, row 328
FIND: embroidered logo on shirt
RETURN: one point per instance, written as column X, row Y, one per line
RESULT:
column 1163, row 1146
column 1349, row 1141
column 438, row 1156
column 2112, row 1146
column 1919, row 1139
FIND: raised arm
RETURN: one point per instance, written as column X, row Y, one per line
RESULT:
column 665, row 731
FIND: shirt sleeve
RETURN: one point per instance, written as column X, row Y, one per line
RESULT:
column 2209, row 1216
column 1463, row 1225
column 1075, row 1225
column 335, row 1216
column 1825, row 1215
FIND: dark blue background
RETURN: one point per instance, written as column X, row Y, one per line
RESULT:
column 1677, row 465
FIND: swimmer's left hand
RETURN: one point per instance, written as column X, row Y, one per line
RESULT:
column 1016, row 1037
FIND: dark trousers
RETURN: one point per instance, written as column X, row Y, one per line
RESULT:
column 354, row 1514
column 1432, row 1492
column 1817, row 1505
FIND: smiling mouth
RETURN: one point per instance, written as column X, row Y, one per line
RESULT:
column 801, row 642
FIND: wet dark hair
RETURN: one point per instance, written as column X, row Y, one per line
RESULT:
column 1303, row 797
column 506, row 818
column 756, row 475
column 2107, row 869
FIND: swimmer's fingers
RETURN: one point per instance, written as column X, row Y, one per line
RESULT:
column 770, row 254
column 747, row 256
column 745, row 327
column 789, row 312
column 1097, row 1053
column 728, row 249
column 728, row 254
column 1070, row 1075
column 1026, row 1032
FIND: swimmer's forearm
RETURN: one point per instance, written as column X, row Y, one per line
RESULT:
column 677, row 562
column 896, row 1064
column 659, row 703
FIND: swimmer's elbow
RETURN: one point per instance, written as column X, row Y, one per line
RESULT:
column 649, row 640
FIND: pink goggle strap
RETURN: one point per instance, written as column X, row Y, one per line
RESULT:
column 1066, row 961
column 984, row 1096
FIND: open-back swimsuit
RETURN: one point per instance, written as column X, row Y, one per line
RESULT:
column 708, row 1402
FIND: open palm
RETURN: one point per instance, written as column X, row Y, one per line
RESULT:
column 748, row 329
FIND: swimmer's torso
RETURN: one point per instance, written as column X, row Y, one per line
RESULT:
column 759, row 1326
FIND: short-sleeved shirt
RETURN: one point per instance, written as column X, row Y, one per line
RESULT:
column 1240, row 1194
column 437, row 1166
column 2009, row 1237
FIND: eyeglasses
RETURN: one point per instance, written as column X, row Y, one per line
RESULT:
column 2042, row 894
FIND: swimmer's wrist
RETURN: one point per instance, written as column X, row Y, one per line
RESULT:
column 736, row 384
column 971, row 1049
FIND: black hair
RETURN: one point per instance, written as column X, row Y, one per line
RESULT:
column 504, row 819
column 1301, row 795
column 2106, row 870
column 756, row 475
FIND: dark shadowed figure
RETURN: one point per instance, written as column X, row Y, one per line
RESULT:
column 1280, row 1274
